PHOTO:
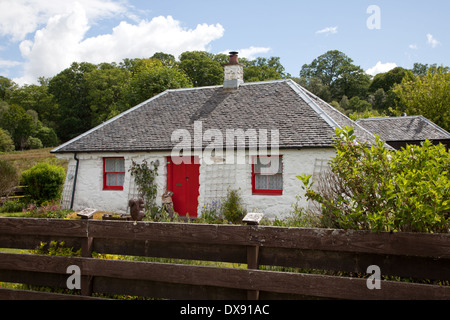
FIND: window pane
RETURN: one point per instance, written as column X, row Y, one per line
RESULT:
column 115, row 179
column 276, row 182
column 120, row 165
column 114, row 165
column 269, row 165
column 110, row 165
column 261, row 182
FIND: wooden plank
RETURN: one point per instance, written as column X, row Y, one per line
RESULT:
column 401, row 243
column 279, row 282
column 390, row 265
column 174, row 250
column 171, row 232
column 33, row 242
column 46, row 227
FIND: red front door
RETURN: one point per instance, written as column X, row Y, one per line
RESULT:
column 183, row 181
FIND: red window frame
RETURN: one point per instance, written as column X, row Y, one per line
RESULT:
column 264, row 191
column 105, row 186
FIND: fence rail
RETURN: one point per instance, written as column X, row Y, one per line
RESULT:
column 407, row 255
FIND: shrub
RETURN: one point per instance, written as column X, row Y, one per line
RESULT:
column 10, row 206
column 232, row 207
column 8, row 176
column 6, row 142
column 376, row 189
column 34, row 143
column 44, row 182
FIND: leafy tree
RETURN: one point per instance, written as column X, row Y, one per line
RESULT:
column 37, row 98
column 202, row 68
column 262, row 69
column 167, row 60
column 105, row 88
column 337, row 71
column 152, row 78
column 19, row 124
column 421, row 69
column 6, row 142
column 387, row 80
column 427, row 95
column 6, row 86
column 71, row 92
column 372, row 188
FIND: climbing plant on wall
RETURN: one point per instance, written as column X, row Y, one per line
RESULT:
column 144, row 176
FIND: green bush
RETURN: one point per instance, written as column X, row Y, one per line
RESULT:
column 43, row 182
column 232, row 207
column 10, row 206
column 376, row 189
column 34, row 143
column 6, row 142
column 8, row 176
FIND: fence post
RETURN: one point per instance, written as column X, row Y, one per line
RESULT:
column 252, row 263
column 253, row 219
column 86, row 252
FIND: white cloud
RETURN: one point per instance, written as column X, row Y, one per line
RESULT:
column 413, row 46
column 18, row 18
column 250, row 53
column 327, row 31
column 433, row 42
column 62, row 41
column 381, row 68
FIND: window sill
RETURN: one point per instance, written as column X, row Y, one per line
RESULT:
column 268, row 192
column 112, row 188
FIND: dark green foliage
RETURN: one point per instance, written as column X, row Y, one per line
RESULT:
column 232, row 207
column 43, row 182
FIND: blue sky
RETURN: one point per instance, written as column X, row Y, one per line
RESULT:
column 42, row 37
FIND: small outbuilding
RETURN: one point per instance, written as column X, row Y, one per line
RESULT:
column 398, row 132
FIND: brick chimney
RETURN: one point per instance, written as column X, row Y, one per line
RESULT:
column 234, row 72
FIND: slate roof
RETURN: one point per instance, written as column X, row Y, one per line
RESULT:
column 408, row 128
column 303, row 120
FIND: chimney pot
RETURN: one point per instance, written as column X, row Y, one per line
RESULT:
column 234, row 57
column 234, row 72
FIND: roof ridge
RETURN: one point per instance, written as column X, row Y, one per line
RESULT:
column 300, row 91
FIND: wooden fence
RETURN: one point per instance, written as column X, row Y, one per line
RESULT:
column 406, row 255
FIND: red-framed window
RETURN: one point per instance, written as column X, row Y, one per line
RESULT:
column 267, row 175
column 113, row 173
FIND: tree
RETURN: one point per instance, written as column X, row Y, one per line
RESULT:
column 387, row 80
column 6, row 142
column 263, row 69
column 37, row 98
column 152, row 78
column 427, row 95
column 19, row 124
column 337, row 71
column 105, row 88
column 70, row 90
column 202, row 68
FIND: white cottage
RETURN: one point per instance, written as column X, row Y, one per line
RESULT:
column 224, row 134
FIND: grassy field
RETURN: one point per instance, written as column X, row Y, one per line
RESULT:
column 23, row 160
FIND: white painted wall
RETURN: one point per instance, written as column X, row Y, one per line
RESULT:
column 215, row 179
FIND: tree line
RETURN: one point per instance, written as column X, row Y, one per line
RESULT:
column 84, row 95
